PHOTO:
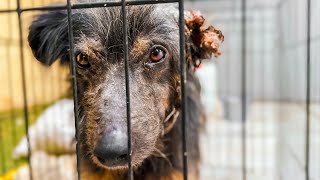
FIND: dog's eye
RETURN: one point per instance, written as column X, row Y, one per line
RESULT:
column 82, row 60
column 157, row 54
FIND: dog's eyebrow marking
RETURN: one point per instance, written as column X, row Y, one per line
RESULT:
column 89, row 46
column 139, row 47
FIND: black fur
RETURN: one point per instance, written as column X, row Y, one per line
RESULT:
column 48, row 37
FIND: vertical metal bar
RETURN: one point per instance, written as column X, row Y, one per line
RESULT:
column 263, row 55
column 243, row 87
column 127, row 79
column 279, row 44
column 2, row 155
column 74, row 84
column 10, row 86
column 183, row 85
column 24, row 88
column 307, row 148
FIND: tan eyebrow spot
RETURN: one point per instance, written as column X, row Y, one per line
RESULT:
column 139, row 47
column 90, row 47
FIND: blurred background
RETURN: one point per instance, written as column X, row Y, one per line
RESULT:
column 255, row 130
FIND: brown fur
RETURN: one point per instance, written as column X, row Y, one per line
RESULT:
column 112, row 175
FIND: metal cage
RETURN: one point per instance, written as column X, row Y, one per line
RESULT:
column 244, row 88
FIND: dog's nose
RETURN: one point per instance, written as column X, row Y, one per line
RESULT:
column 112, row 149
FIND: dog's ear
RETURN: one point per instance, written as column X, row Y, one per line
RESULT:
column 202, row 41
column 48, row 37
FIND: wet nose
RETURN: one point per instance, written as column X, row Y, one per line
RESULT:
column 112, row 148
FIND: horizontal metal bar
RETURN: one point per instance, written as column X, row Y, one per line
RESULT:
column 8, row 11
column 128, row 3
column 46, row 8
column 91, row 5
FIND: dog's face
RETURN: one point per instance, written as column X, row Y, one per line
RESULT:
column 153, row 71
column 153, row 35
column 153, row 56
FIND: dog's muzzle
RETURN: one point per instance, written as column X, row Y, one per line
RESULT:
column 112, row 148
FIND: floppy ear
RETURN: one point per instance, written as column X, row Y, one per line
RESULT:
column 202, row 41
column 48, row 37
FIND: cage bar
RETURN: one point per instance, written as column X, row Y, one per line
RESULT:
column 90, row 5
column 74, row 83
column 9, row 85
column 183, row 87
column 24, row 88
column 308, row 91
column 243, row 87
column 127, row 80
column 2, row 160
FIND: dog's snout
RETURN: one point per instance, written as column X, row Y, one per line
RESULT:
column 112, row 148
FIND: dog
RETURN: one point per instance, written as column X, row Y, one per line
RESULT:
column 155, row 86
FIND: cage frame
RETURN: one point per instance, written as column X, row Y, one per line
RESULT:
column 123, row 4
